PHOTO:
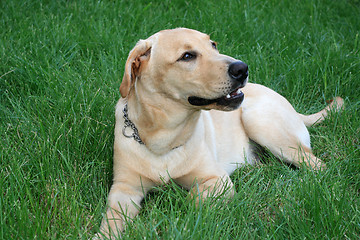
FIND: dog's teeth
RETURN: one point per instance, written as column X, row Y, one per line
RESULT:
column 228, row 96
column 238, row 91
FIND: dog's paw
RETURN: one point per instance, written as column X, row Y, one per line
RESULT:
column 318, row 166
column 98, row 236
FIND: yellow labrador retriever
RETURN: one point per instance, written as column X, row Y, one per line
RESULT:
column 162, row 130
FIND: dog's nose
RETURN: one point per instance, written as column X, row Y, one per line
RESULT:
column 238, row 71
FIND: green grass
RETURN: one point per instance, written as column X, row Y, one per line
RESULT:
column 61, row 63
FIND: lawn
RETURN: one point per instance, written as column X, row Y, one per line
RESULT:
column 61, row 64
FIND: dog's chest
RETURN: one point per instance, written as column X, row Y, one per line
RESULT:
column 230, row 140
column 219, row 139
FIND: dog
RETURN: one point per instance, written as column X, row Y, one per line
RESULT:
column 187, row 113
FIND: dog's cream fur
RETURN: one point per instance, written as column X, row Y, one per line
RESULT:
column 193, row 146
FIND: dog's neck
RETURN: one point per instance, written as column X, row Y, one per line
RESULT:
column 162, row 127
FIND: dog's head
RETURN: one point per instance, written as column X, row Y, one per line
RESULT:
column 184, row 65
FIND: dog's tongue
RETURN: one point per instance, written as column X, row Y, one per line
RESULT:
column 234, row 93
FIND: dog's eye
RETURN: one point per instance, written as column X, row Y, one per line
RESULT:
column 187, row 56
column 214, row 45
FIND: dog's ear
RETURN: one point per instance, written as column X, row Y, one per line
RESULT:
column 139, row 54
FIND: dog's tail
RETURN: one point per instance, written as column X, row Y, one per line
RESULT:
column 334, row 105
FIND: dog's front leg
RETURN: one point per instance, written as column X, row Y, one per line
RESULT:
column 203, row 185
column 212, row 187
column 123, row 204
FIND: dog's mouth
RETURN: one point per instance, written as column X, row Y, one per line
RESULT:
column 233, row 98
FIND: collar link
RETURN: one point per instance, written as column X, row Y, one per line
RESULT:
column 128, row 123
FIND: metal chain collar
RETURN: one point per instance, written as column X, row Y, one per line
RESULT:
column 129, row 123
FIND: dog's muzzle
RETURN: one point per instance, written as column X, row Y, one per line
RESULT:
column 238, row 73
